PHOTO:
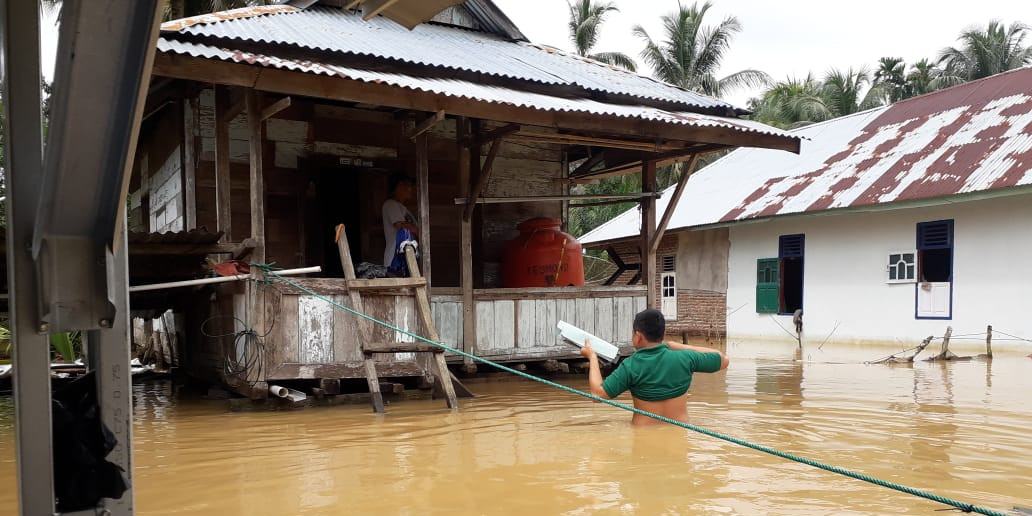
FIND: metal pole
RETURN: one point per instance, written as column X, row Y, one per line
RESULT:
column 19, row 54
column 110, row 348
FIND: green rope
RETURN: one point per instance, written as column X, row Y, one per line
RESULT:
column 964, row 507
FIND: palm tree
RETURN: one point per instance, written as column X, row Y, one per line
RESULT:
column 985, row 52
column 792, row 103
column 923, row 78
column 691, row 52
column 586, row 18
column 890, row 74
column 842, row 91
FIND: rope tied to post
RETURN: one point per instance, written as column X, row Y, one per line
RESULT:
column 269, row 271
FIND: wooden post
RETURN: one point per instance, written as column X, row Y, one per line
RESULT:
column 145, row 212
column 469, row 319
column 689, row 169
column 423, row 176
column 648, row 231
column 989, row 341
column 223, row 213
column 256, row 134
column 190, row 163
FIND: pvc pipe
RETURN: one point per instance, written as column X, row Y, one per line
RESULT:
column 277, row 391
column 222, row 279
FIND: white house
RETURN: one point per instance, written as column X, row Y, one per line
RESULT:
column 890, row 225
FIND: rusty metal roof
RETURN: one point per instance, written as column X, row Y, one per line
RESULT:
column 337, row 33
column 975, row 137
column 470, row 90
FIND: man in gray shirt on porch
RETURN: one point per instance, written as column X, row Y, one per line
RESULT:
column 396, row 216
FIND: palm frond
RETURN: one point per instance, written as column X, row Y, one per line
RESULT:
column 616, row 59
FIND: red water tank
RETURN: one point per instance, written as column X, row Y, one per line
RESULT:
column 542, row 256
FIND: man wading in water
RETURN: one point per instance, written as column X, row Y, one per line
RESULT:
column 658, row 374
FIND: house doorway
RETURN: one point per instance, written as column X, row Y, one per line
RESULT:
column 350, row 195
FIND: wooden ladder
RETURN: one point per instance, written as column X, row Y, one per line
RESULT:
column 443, row 379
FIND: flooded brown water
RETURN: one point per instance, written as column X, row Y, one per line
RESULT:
column 960, row 430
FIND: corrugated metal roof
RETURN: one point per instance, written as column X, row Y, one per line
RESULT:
column 975, row 137
column 342, row 32
column 465, row 89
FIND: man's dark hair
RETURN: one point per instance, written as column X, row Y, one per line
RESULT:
column 398, row 179
column 651, row 324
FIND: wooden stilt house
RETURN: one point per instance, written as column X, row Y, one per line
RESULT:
column 272, row 125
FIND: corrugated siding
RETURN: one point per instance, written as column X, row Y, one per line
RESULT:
column 975, row 137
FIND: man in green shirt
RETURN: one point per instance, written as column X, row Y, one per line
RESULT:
column 658, row 374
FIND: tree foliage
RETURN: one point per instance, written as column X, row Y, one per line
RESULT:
column 985, row 51
column 585, row 25
column 690, row 53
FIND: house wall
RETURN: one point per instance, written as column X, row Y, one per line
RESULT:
column 701, row 271
column 846, row 298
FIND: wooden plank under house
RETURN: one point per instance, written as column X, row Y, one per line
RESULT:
column 283, row 145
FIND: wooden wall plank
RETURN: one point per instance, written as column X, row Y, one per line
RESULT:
column 503, row 332
column 585, row 315
column 624, row 317
column 315, row 318
column 604, row 318
column 526, row 322
column 484, row 319
column 545, row 322
column 448, row 317
column 346, row 343
column 406, row 318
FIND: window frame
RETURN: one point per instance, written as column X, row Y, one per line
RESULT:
column 890, row 266
column 671, row 314
column 949, row 225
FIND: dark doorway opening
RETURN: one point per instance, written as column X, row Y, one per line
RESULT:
column 791, row 285
column 347, row 195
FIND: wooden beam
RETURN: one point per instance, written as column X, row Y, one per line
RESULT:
column 469, row 319
column 577, row 139
column 600, row 203
column 427, row 124
column 627, row 197
column 337, row 88
column 423, row 179
column 648, row 230
column 189, row 156
column 499, row 133
column 485, row 172
column 689, row 169
column 375, row 7
column 395, row 347
column 255, row 137
column 271, row 110
column 384, row 283
column 588, row 164
column 223, row 212
column 256, row 130
column 662, row 160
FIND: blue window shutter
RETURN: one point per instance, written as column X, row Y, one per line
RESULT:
column 935, row 235
column 790, row 246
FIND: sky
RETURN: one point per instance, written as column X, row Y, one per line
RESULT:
column 788, row 38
